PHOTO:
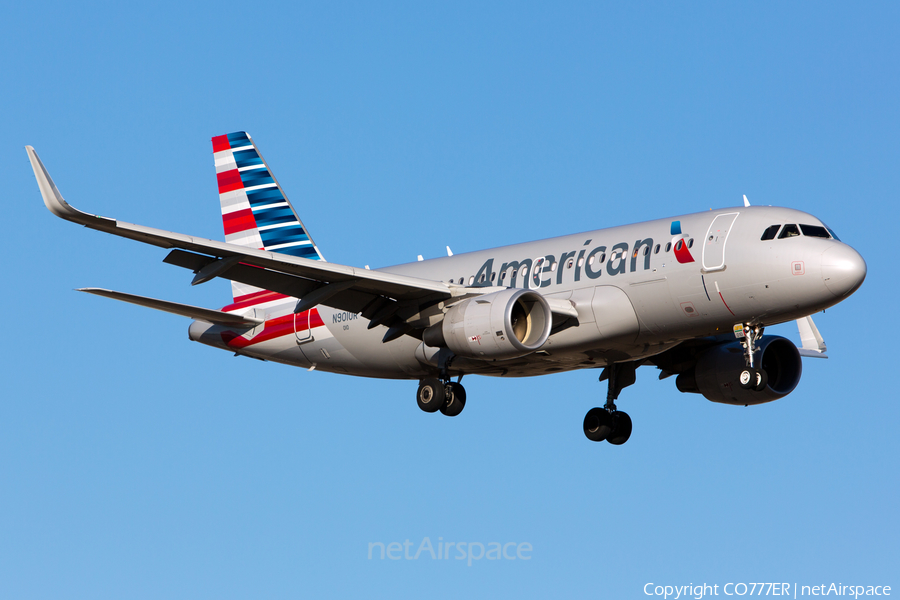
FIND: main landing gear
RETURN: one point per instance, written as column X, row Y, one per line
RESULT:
column 752, row 377
column 446, row 396
column 608, row 423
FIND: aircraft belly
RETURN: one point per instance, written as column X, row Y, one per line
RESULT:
column 655, row 307
column 344, row 344
column 274, row 345
column 285, row 352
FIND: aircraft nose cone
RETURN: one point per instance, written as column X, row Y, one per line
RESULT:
column 843, row 269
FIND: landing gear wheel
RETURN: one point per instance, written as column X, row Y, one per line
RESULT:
column 597, row 424
column 454, row 399
column 748, row 378
column 762, row 380
column 430, row 395
column 621, row 428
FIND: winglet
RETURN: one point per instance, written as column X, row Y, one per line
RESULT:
column 52, row 198
column 746, row 202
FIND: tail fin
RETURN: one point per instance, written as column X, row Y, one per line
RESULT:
column 255, row 211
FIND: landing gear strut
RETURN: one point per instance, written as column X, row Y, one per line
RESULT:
column 752, row 377
column 608, row 423
column 443, row 395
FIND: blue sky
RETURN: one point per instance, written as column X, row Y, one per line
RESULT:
column 134, row 463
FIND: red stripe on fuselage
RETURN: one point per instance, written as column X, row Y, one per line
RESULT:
column 239, row 220
column 276, row 328
column 726, row 304
column 229, row 181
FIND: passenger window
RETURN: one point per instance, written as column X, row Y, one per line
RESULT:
column 814, row 231
column 668, row 246
column 656, row 250
column 460, row 281
column 770, row 233
column 691, row 243
column 789, row 231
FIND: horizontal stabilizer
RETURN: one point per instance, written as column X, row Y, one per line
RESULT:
column 216, row 317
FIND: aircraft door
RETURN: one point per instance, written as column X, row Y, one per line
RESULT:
column 714, row 245
column 302, row 326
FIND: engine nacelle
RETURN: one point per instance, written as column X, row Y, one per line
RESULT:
column 496, row 326
column 717, row 370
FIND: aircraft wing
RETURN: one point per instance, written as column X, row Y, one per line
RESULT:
column 384, row 297
column 813, row 344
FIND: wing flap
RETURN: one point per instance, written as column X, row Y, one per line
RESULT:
column 351, row 300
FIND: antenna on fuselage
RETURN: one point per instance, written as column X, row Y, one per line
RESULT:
column 746, row 202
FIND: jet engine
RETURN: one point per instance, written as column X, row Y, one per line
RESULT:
column 716, row 373
column 496, row 326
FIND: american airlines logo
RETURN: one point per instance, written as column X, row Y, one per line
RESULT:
column 680, row 244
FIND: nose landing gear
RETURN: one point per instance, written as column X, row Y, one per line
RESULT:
column 608, row 423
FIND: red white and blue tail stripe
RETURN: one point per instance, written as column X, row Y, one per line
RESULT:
column 255, row 211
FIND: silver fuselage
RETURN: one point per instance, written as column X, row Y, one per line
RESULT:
column 633, row 296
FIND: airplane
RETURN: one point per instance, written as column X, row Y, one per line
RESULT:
column 690, row 295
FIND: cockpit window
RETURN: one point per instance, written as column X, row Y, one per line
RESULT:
column 769, row 233
column 814, row 231
column 833, row 234
column 789, row 231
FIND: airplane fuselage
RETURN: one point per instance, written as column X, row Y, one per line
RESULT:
column 640, row 289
